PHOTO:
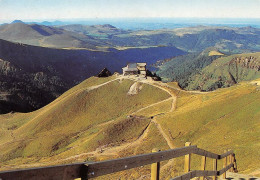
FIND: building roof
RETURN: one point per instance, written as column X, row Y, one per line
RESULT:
column 141, row 64
column 132, row 65
column 129, row 69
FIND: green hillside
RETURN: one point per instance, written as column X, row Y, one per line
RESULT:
column 226, row 71
column 210, row 69
column 98, row 120
column 180, row 68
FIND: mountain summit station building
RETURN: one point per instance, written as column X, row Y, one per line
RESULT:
column 135, row 69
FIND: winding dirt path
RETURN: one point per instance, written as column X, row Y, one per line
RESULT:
column 154, row 104
column 115, row 150
column 165, row 136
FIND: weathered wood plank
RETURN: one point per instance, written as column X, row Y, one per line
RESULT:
column 187, row 159
column 226, row 154
column 203, row 152
column 203, row 165
column 225, row 164
column 95, row 169
column 185, row 176
column 155, row 168
column 222, row 171
column 232, row 161
column 111, row 166
column 200, row 173
column 196, row 173
column 215, row 168
column 66, row 172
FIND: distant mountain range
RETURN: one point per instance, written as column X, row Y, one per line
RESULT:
column 46, row 23
column 46, row 36
column 155, row 23
column 192, row 39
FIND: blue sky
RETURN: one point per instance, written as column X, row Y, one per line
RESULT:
column 70, row 9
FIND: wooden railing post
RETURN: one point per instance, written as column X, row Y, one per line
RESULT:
column 215, row 167
column 235, row 164
column 187, row 159
column 224, row 165
column 232, row 161
column 155, row 168
column 229, row 161
column 203, row 165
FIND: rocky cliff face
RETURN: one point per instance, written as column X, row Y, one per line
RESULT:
column 250, row 62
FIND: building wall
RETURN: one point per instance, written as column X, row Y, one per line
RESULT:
column 143, row 73
column 130, row 73
column 141, row 67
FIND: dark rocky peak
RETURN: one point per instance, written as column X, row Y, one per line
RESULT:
column 104, row 73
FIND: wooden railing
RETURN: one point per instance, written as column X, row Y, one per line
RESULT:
column 89, row 170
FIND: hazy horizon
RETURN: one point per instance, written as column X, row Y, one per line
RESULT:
column 151, row 23
column 101, row 9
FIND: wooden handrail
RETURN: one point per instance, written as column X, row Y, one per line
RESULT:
column 107, row 167
column 87, row 170
column 205, row 153
column 199, row 173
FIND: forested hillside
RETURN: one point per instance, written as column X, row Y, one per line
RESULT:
column 208, row 71
column 226, row 71
column 181, row 68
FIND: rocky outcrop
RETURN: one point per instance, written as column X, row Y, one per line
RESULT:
column 104, row 73
column 247, row 62
column 135, row 88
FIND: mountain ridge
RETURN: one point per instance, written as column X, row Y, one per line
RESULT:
column 207, row 71
column 34, row 76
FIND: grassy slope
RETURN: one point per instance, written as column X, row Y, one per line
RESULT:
column 74, row 118
column 181, row 68
column 219, row 72
column 224, row 119
column 215, row 53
